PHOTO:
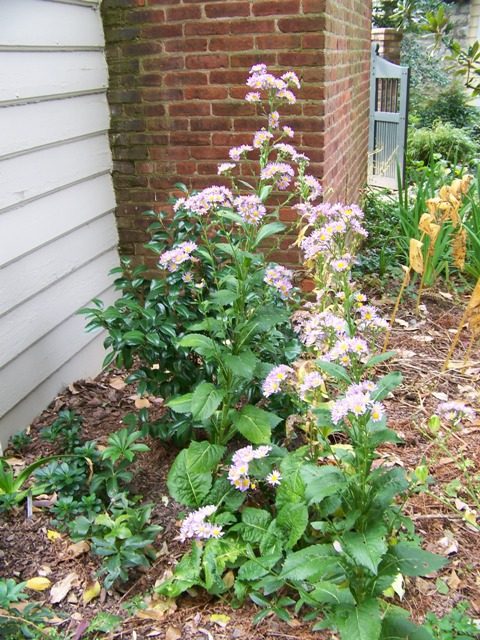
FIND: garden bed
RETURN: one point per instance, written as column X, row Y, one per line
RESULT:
column 421, row 344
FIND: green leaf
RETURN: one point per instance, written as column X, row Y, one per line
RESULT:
column 311, row 563
column 321, row 482
column 413, row 561
column 223, row 492
column 378, row 359
column 181, row 404
column 134, row 337
column 253, row 424
column 205, row 400
column 293, row 519
column 224, row 297
column 254, row 524
column 385, row 385
column 330, row 593
column 242, row 365
column 366, row 548
column 359, row 622
column 334, row 370
column 204, row 456
column 397, row 626
column 203, row 345
column 292, row 487
column 268, row 230
column 185, row 486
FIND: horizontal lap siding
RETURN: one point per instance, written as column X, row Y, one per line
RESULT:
column 57, row 229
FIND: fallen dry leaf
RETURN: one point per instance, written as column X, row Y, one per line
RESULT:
column 60, row 589
column 142, row 403
column 117, row 383
column 453, row 581
column 173, row 633
column 77, row 549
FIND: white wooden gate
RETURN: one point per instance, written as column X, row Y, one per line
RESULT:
column 388, row 121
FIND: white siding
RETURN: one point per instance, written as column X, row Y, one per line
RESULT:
column 57, row 229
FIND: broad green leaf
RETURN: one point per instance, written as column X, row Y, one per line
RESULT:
column 311, row 563
column 205, row 400
column 203, row 345
column 397, row 626
column 321, row 482
column 259, row 567
column 254, row 524
column 387, row 483
column 224, row 297
column 204, row 456
column 187, row 574
column 185, row 486
column 413, row 561
column 293, row 520
column 134, row 337
column 292, row 487
column 385, row 385
column 273, row 541
column 359, row 622
column 268, row 230
column 242, row 365
column 181, row 404
column 253, row 424
column 334, row 370
column 223, row 492
column 366, row 548
column 378, row 359
column 330, row 593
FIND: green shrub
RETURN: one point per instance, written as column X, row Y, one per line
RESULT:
column 447, row 142
column 450, row 106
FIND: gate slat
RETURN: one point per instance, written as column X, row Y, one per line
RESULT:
column 388, row 121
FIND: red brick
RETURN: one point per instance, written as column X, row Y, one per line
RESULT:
column 176, row 14
column 162, row 31
column 187, row 44
column 208, row 28
column 231, row 44
column 207, row 62
column 189, row 109
column 210, row 124
column 228, row 9
column 252, row 26
column 276, row 7
column 205, row 93
column 280, row 41
column 163, row 63
column 184, row 78
column 298, row 25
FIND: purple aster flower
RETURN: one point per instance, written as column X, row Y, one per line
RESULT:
column 250, row 208
column 454, row 411
column 236, row 153
column 273, row 382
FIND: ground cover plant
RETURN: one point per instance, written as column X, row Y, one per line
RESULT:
column 288, row 495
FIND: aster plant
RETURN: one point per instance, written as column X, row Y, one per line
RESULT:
column 318, row 526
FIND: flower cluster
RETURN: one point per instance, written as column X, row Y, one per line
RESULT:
column 280, row 278
column 250, row 208
column 206, row 201
column 454, row 412
column 273, row 382
column 172, row 259
column 195, row 526
column 358, row 402
column 238, row 471
column 311, row 380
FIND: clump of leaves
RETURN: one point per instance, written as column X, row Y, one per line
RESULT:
column 454, row 625
column 65, row 431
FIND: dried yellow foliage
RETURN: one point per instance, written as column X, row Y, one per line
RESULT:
column 416, row 256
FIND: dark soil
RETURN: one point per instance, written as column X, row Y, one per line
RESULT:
column 421, row 343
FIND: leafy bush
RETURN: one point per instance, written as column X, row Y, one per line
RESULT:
column 449, row 106
column 445, row 141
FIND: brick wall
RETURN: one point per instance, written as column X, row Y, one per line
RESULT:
column 177, row 85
